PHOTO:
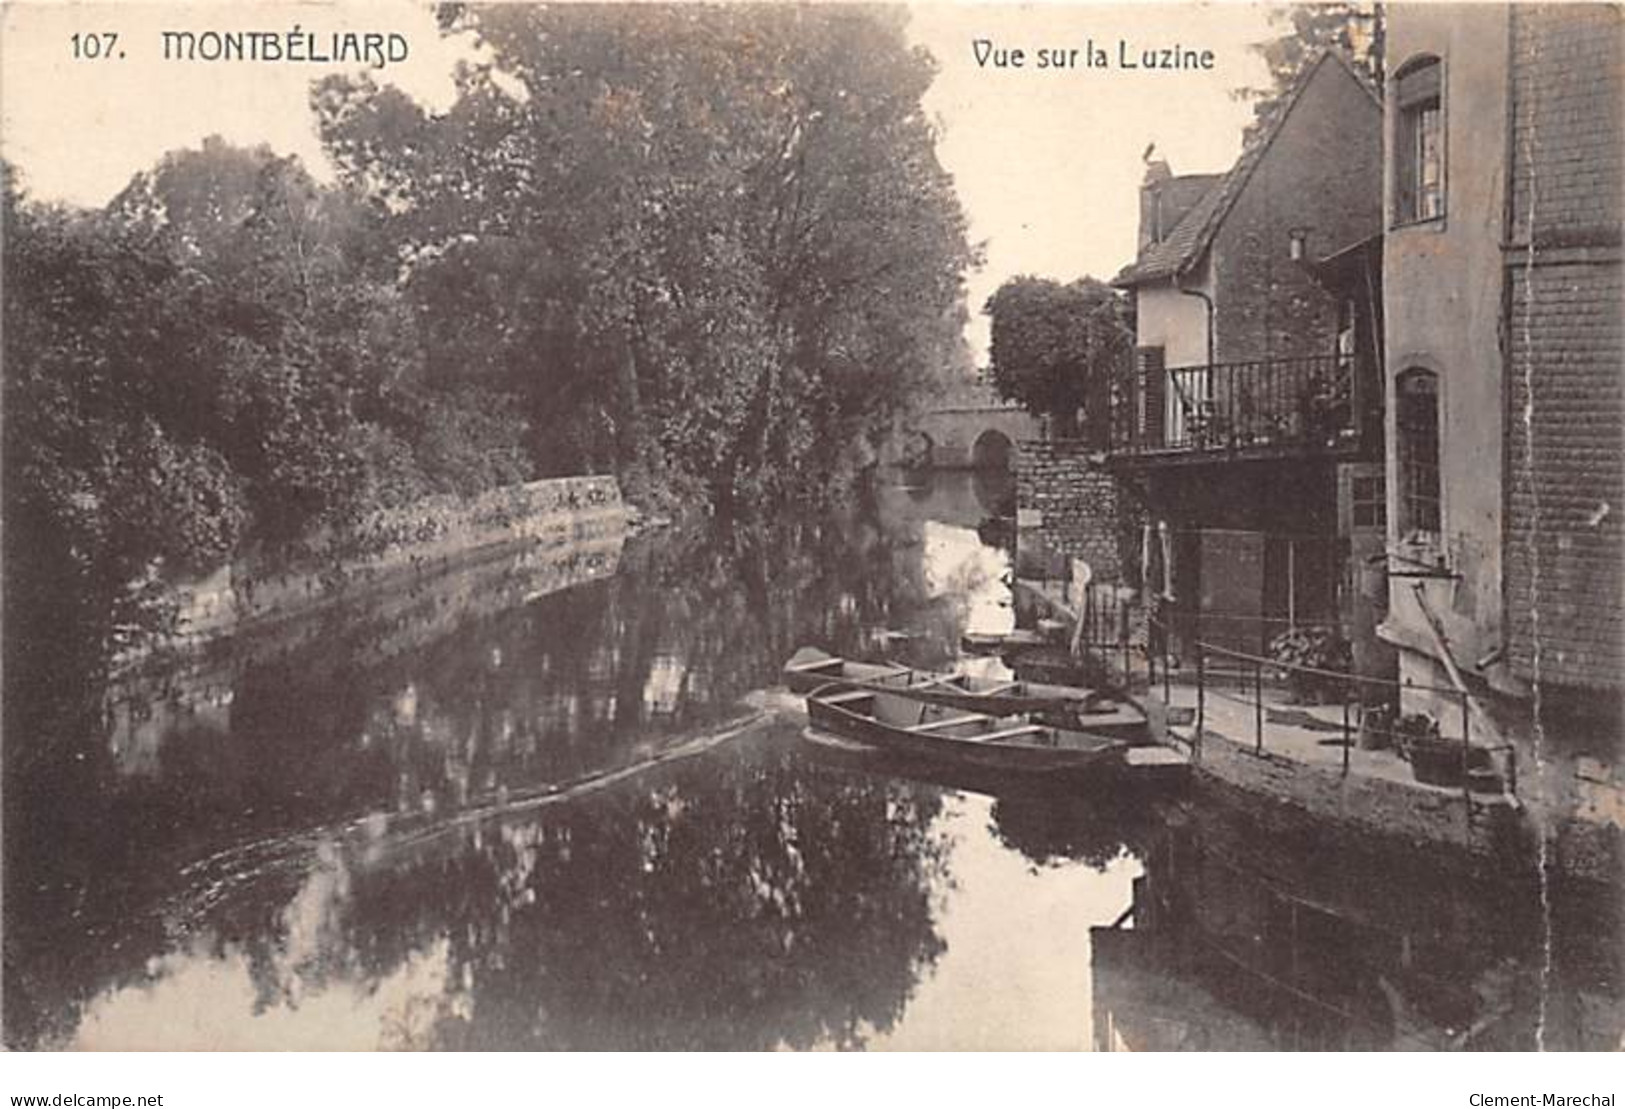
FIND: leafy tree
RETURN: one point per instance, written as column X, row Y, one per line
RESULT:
column 99, row 492
column 221, row 355
column 1057, row 349
column 708, row 248
column 311, row 379
column 277, row 381
column 706, row 243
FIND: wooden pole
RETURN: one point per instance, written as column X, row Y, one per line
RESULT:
column 1258, row 708
column 1291, row 584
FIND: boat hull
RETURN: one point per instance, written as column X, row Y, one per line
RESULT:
column 1060, row 704
column 1042, row 750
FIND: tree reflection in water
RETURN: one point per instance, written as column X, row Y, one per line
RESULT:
column 1257, row 927
column 770, row 907
column 444, row 701
column 1097, row 826
column 342, row 841
column 744, row 899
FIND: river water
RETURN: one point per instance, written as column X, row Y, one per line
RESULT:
column 552, row 801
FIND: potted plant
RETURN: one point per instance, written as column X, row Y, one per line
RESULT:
column 1312, row 649
column 1377, row 726
column 1326, row 409
column 1204, row 427
column 1434, row 759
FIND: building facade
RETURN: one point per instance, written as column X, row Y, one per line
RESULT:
column 1505, row 413
column 1251, row 426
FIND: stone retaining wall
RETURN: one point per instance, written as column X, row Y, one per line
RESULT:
column 391, row 544
column 1489, row 828
column 1075, row 506
column 195, row 689
column 1493, row 832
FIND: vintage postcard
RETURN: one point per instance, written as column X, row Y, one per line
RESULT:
column 745, row 526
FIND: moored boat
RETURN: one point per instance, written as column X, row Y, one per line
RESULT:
column 998, row 643
column 890, row 721
column 811, row 668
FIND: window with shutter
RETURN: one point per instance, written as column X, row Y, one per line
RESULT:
column 1153, row 377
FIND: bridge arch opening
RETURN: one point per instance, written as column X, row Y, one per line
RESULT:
column 992, row 450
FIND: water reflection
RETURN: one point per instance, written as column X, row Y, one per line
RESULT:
column 1016, row 972
column 1257, row 930
column 1097, row 827
column 252, row 772
column 732, row 901
column 535, row 804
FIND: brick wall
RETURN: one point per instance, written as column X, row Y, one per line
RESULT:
column 1565, row 421
column 1323, row 172
column 1083, row 512
column 1567, row 105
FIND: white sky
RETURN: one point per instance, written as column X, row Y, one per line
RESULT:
column 1047, row 163
column 79, row 130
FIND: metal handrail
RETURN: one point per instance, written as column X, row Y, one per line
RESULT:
column 1277, row 664
column 1337, row 675
column 1258, row 663
column 1097, row 618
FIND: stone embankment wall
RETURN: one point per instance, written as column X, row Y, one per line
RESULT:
column 1074, row 506
column 391, row 544
column 1491, row 831
column 194, row 690
column 1490, row 827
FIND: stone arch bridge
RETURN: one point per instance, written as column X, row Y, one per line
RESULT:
column 971, row 429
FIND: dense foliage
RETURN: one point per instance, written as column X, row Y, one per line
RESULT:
column 207, row 362
column 705, row 246
column 711, row 250
column 1058, row 350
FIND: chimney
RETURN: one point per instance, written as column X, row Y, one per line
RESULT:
column 1154, row 226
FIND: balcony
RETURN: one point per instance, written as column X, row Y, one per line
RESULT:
column 1279, row 407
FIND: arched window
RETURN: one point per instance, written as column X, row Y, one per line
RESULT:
column 1418, row 155
column 1416, row 418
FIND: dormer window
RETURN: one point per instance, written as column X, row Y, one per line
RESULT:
column 1419, row 143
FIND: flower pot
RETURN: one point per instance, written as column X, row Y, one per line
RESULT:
column 1376, row 730
column 1438, row 763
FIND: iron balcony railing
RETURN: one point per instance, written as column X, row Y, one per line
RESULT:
column 1318, row 402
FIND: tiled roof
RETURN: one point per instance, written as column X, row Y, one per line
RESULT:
column 1189, row 240
column 1182, row 247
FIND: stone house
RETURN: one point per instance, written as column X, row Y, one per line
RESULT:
column 1506, row 406
column 1251, row 428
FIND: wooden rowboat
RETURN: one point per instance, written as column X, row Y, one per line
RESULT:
column 998, row 643
column 810, row 668
column 891, row 722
